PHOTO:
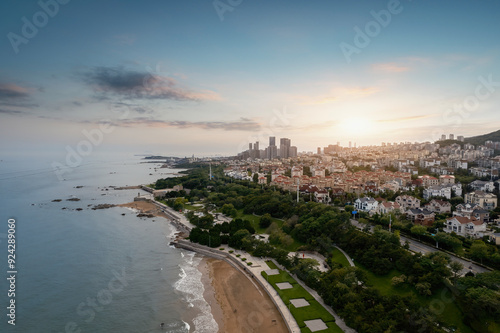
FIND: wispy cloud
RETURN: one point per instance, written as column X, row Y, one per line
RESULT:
column 338, row 94
column 402, row 119
column 119, row 81
column 390, row 67
column 11, row 112
column 9, row 91
column 241, row 125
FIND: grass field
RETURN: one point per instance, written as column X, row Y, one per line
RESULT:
column 313, row 311
column 254, row 220
column 339, row 257
column 440, row 304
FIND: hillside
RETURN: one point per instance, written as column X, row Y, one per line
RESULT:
column 480, row 139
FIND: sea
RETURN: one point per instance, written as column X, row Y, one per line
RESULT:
column 83, row 270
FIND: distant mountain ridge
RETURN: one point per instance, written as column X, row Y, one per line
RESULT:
column 480, row 139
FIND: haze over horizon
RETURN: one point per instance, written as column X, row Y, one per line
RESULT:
column 203, row 78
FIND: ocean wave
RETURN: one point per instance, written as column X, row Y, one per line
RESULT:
column 191, row 286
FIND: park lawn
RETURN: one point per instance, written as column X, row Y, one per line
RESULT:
column 191, row 207
column 254, row 220
column 313, row 311
column 447, row 312
column 339, row 257
column 271, row 264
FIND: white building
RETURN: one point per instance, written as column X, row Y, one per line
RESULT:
column 465, row 226
column 366, row 204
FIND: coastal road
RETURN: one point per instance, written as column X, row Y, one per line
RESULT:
column 419, row 247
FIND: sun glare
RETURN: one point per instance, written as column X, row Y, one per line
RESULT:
column 357, row 126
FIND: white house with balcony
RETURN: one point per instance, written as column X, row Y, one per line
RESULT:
column 366, row 204
column 464, row 226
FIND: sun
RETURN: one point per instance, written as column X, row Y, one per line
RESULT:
column 357, row 126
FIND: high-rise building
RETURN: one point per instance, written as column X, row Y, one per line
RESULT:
column 272, row 141
column 452, row 137
column 293, row 151
column 350, row 144
column 443, row 137
column 284, row 147
column 461, row 138
column 319, row 150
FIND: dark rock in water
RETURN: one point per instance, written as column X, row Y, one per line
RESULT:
column 73, row 199
column 123, row 214
column 79, row 186
column 63, row 208
column 57, row 200
column 79, row 209
column 145, row 215
column 103, row 206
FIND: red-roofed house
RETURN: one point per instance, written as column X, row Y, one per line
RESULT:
column 438, row 206
column 464, row 226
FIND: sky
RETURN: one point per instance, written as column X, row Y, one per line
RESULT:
column 208, row 77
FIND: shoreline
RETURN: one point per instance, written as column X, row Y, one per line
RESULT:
column 236, row 303
column 245, row 307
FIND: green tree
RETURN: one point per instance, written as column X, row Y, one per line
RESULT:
column 418, row 230
column 265, row 221
column 455, row 268
column 478, row 251
column 255, row 178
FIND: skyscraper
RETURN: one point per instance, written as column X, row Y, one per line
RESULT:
column 272, row 151
column 285, row 147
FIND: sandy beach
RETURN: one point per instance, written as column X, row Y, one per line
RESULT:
column 237, row 303
column 245, row 307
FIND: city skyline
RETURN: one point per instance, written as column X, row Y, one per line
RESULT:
column 177, row 78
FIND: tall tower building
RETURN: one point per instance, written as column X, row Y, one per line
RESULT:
column 272, row 149
column 285, row 147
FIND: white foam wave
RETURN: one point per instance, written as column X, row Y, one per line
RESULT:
column 191, row 286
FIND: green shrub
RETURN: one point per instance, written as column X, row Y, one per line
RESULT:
column 231, row 251
column 249, row 263
column 243, row 259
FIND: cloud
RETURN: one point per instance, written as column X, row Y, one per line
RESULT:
column 390, row 67
column 12, row 112
column 9, row 91
column 338, row 94
column 130, row 84
column 401, row 119
column 240, row 125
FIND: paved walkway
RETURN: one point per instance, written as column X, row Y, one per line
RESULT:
column 351, row 262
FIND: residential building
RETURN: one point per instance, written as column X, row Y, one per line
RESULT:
column 495, row 239
column 420, row 216
column 446, row 179
column 438, row 206
column 472, row 211
column 407, row 202
column 485, row 186
column 484, row 200
column 366, row 204
column 386, row 207
column 464, row 226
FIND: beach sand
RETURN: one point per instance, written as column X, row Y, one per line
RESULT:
column 145, row 207
column 238, row 305
column 245, row 307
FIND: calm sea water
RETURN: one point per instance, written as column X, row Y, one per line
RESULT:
column 93, row 270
